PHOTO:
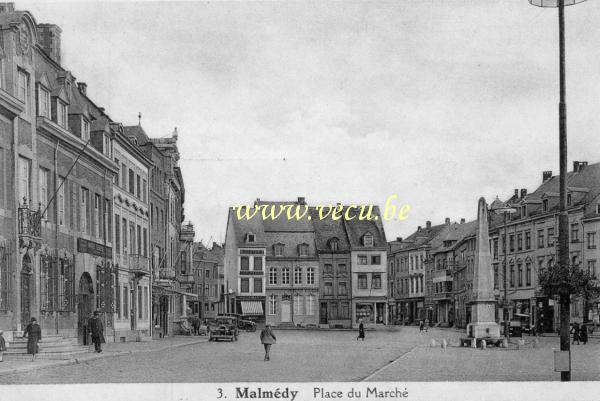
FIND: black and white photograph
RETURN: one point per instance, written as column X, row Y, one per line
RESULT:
column 300, row 200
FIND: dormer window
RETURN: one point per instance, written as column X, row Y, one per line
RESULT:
column 278, row 249
column 250, row 237
column 303, row 249
column 545, row 205
column 61, row 113
column 85, row 130
column 368, row 240
column 107, row 149
column 569, row 199
column 524, row 211
column 598, row 208
column 43, row 102
column 334, row 244
column 23, row 89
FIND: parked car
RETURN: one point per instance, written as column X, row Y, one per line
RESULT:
column 223, row 328
column 246, row 325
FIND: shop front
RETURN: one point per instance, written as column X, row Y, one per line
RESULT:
column 370, row 313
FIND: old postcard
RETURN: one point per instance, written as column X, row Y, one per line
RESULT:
column 299, row 200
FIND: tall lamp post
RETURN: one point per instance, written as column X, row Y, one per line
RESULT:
column 563, row 219
column 500, row 207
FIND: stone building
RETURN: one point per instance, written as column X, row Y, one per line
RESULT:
column 207, row 264
column 56, row 175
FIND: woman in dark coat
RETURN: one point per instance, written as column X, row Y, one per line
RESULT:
column 267, row 338
column 575, row 331
column 33, row 332
column 97, row 331
column 583, row 334
column 361, row 331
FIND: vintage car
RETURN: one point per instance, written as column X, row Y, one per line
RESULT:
column 223, row 328
column 246, row 325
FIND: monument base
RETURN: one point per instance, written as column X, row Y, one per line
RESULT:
column 483, row 330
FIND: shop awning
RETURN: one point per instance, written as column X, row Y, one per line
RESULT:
column 166, row 291
column 253, row 308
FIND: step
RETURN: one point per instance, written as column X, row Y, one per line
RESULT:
column 65, row 348
column 41, row 355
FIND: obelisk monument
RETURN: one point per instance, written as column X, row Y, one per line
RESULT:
column 483, row 306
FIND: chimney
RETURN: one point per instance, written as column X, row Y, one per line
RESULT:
column 523, row 193
column 301, row 200
column 82, row 86
column 428, row 224
column 419, row 228
column 398, row 239
column 447, row 220
column 102, row 109
column 546, row 175
column 6, row 8
column 462, row 221
column 49, row 40
column 575, row 167
column 516, row 193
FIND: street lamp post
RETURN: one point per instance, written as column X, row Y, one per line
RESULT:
column 563, row 218
column 500, row 207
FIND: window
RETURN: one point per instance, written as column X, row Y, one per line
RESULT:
column 495, row 277
column 310, row 304
column 258, row 263
column 527, row 240
column 310, row 275
column 569, row 200
column 285, row 275
column 528, row 274
column 117, row 234
column 244, row 263
column 145, row 244
column 342, row 269
column 591, row 240
column 545, row 205
column 123, row 176
column 362, row 281
column 328, row 268
column 131, row 182
column 368, row 240
column 550, row 236
column 85, row 130
column 303, row 250
column 125, row 302
column 97, row 215
column 375, row 259
column 138, row 186
column 591, row 266
column 512, row 275
column 297, row 304
column 43, row 184
column 298, row 275
column 250, row 237
column 272, row 275
column 61, row 201
column 333, row 244
column 328, row 289
column 376, row 281
column 23, row 89
column 61, row 113
column 272, row 305
column 362, row 259
column 258, row 285
column 140, row 302
column 43, row 102
column 520, row 242
column 84, row 209
column 575, row 232
column 245, row 285
column 342, row 289
column 107, row 148
column 278, row 249
column 511, row 241
column 144, row 190
column 24, row 180
column 124, row 228
column 520, row 274
column 207, row 273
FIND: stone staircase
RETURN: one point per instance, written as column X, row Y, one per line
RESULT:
column 51, row 347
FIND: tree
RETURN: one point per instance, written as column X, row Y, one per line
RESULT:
column 571, row 281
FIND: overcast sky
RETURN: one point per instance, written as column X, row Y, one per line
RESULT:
column 439, row 101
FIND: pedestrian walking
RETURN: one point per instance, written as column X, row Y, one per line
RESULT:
column 426, row 325
column 2, row 345
column 97, row 329
column 196, row 325
column 421, row 325
column 267, row 338
column 583, row 334
column 575, row 331
column 33, row 332
column 361, row 331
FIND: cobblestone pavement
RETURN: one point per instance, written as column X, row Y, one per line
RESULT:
column 399, row 355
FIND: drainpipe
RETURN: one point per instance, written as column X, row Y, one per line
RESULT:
column 56, row 313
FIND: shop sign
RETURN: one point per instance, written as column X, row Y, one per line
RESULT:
column 93, row 248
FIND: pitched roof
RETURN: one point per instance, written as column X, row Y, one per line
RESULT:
column 326, row 229
column 356, row 229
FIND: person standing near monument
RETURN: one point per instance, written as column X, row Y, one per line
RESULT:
column 33, row 332
column 97, row 330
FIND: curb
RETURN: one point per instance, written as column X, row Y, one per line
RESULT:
column 92, row 357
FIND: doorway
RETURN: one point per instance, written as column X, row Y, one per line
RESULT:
column 163, row 315
column 323, row 313
column 286, row 315
column 85, row 305
column 26, row 290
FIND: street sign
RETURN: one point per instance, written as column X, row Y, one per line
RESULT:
column 562, row 361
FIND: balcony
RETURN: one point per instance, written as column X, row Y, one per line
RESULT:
column 442, row 275
column 166, row 274
column 187, row 232
column 186, row 279
column 30, row 221
column 139, row 264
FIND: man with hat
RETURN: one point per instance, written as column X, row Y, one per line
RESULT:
column 97, row 330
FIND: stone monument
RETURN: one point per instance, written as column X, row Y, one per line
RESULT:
column 483, row 307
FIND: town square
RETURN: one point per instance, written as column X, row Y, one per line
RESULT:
column 299, row 192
